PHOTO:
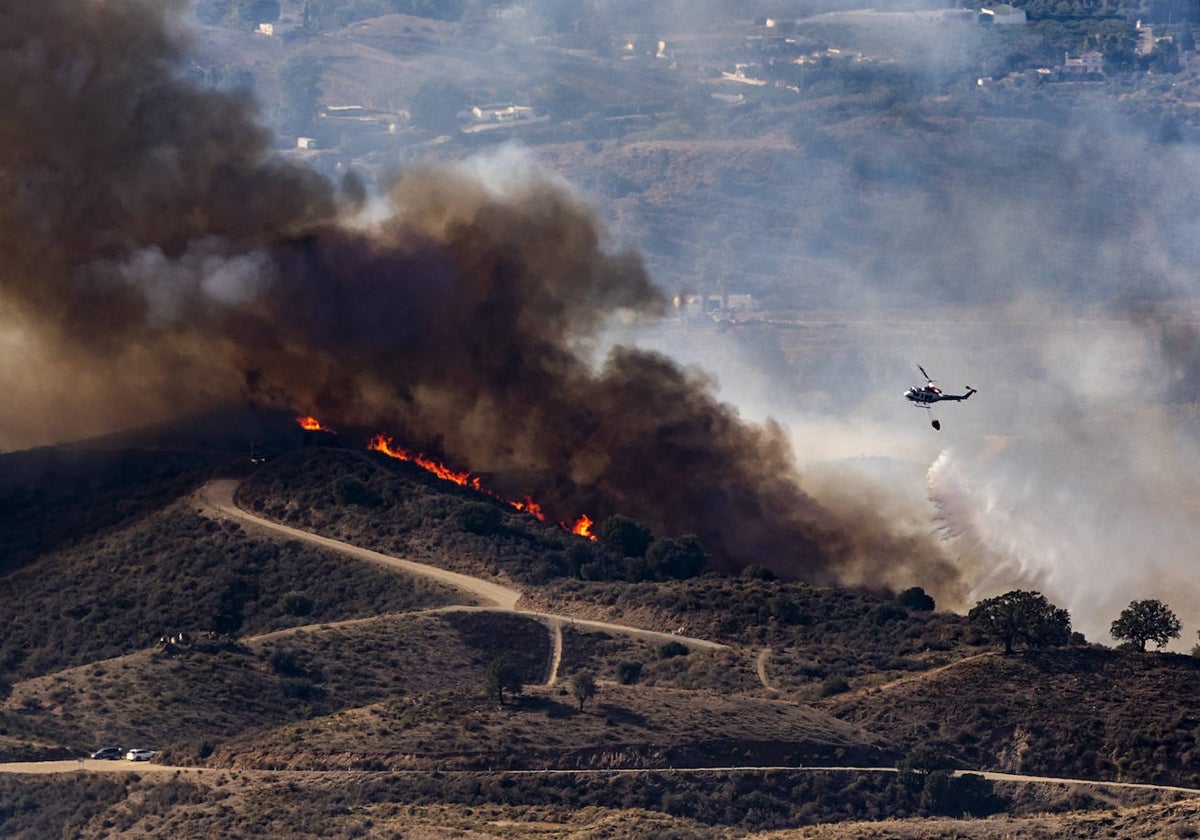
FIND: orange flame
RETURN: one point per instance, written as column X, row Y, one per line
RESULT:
column 531, row 507
column 582, row 527
column 384, row 444
column 312, row 424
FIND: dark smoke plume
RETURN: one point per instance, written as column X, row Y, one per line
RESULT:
column 161, row 261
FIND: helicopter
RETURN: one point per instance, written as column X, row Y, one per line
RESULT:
column 930, row 393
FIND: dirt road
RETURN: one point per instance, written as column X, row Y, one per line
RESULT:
column 216, row 498
column 144, row 768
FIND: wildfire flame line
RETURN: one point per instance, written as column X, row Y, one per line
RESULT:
column 384, row 443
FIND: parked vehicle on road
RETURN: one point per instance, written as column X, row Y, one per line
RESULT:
column 108, row 753
column 139, row 755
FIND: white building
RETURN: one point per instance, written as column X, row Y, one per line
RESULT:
column 716, row 306
column 1089, row 62
column 1002, row 15
column 501, row 113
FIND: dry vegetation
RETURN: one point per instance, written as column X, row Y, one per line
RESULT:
column 122, row 588
column 1090, row 713
column 328, row 698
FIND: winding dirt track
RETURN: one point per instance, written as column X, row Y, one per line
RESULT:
column 216, row 498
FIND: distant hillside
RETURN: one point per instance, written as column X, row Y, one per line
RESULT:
column 1085, row 712
column 870, row 165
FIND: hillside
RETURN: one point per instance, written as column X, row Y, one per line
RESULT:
column 292, row 679
column 1089, row 713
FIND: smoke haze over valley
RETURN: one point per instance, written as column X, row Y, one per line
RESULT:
column 509, row 305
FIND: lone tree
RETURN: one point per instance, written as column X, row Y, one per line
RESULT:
column 583, row 688
column 626, row 535
column 1144, row 621
column 1021, row 616
column 916, row 599
column 502, row 676
column 678, row 558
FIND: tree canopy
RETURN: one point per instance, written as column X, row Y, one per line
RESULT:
column 1021, row 616
column 502, row 676
column 1148, row 620
column 583, row 687
column 626, row 535
column 916, row 599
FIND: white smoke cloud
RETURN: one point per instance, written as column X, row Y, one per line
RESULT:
column 205, row 274
column 1094, row 502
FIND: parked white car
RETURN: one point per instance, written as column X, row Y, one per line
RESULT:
column 139, row 755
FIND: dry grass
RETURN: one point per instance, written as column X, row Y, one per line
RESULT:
column 624, row 726
column 1085, row 712
column 179, row 699
column 1137, row 822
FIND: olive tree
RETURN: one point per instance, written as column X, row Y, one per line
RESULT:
column 1021, row 616
column 501, row 676
column 583, row 687
column 626, row 535
column 1148, row 620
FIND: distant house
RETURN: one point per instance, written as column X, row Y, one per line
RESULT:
column 739, row 75
column 501, row 113
column 1145, row 39
column 717, row 306
column 1002, row 15
column 1089, row 62
column 306, row 143
column 279, row 27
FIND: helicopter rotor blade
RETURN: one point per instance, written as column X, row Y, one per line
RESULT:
column 923, row 373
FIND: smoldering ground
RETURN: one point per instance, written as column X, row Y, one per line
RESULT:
column 159, row 261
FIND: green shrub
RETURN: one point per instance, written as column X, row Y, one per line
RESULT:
column 351, row 491
column 629, row 672
column 478, row 518
column 295, row 603
column 916, row 599
column 672, row 649
column 626, row 535
column 285, row 661
column 834, row 684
